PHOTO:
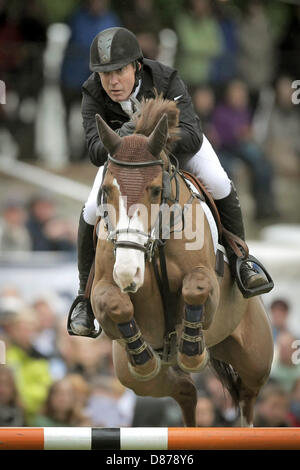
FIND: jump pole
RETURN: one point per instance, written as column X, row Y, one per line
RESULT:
column 87, row 438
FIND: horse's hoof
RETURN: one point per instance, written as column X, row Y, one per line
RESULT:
column 146, row 371
column 195, row 363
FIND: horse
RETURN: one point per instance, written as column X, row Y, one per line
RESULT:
column 214, row 324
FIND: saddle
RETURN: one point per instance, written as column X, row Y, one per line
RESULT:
column 235, row 242
column 238, row 246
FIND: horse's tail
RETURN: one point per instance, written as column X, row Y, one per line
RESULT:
column 229, row 379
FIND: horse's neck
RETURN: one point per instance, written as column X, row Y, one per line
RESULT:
column 195, row 223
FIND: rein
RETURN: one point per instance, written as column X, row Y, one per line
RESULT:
column 153, row 244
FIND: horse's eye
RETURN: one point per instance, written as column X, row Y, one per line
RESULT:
column 155, row 191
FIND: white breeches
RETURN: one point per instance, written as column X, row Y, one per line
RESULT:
column 205, row 165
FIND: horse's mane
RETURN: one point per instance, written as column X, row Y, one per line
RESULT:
column 151, row 111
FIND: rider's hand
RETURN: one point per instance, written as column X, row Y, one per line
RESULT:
column 128, row 128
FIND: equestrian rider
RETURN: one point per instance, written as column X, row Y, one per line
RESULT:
column 120, row 77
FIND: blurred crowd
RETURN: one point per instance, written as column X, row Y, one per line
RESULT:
column 35, row 225
column 238, row 59
column 240, row 62
column 53, row 379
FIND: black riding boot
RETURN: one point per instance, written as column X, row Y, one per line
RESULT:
column 81, row 317
column 251, row 274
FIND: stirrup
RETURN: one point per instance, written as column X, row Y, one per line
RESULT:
column 97, row 330
column 256, row 290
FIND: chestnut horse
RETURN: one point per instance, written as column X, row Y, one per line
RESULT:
column 213, row 322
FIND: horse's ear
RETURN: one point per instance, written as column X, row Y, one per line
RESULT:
column 158, row 138
column 110, row 139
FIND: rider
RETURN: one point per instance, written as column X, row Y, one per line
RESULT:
column 120, row 77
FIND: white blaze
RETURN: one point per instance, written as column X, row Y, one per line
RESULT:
column 129, row 267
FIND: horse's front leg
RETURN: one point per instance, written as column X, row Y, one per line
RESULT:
column 200, row 292
column 115, row 313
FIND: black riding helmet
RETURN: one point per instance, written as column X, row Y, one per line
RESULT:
column 113, row 49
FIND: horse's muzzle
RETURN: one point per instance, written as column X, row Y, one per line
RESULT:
column 131, row 288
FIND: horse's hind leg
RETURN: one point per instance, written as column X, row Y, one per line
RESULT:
column 168, row 382
column 185, row 393
column 249, row 350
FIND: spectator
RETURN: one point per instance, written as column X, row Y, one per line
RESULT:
column 289, row 46
column 61, row 407
column 95, row 359
column 10, row 41
column 224, row 66
column 279, row 310
column 33, row 28
column 44, row 340
column 225, row 412
column 11, row 302
column 285, row 370
column 82, row 390
column 144, row 20
column 66, row 349
column 255, row 56
column 11, row 411
column 10, row 60
column 272, row 407
column 30, row 367
column 205, row 412
column 85, row 23
column 282, row 135
column 204, row 104
column 200, row 41
column 233, row 139
column 41, row 210
column 49, row 232
column 110, row 404
column 295, row 404
column 30, row 78
column 14, row 235
column 61, row 234
column 157, row 412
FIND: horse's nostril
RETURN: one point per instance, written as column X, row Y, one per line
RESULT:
column 131, row 287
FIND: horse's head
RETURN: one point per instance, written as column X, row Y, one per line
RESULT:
column 132, row 188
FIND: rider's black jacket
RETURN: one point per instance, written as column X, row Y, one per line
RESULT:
column 154, row 76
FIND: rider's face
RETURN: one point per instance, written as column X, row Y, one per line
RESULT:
column 118, row 84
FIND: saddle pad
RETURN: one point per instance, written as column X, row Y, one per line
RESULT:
column 211, row 221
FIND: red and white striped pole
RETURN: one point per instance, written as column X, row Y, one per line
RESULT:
column 87, row 438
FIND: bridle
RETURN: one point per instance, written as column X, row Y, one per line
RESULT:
column 151, row 238
column 154, row 243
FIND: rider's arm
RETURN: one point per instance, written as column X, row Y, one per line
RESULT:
column 89, row 108
column 190, row 127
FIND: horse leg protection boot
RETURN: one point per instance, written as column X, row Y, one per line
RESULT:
column 81, row 317
column 251, row 274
